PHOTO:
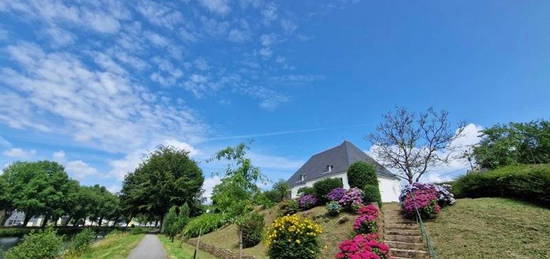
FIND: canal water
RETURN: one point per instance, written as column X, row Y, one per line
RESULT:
column 7, row 243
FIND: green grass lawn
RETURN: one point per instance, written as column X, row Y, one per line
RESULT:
column 491, row 228
column 113, row 246
column 179, row 250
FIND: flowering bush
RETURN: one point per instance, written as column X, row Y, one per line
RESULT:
column 444, row 196
column 423, row 199
column 307, row 201
column 336, row 194
column 366, row 222
column 333, row 208
column 353, row 196
column 293, row 237
column 363, row 247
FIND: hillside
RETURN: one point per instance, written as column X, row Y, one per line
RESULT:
column 333, row 232
column 492, row 228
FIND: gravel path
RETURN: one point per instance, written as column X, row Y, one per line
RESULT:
column 150, row 247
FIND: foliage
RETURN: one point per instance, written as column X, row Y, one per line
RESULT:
column 412, row 143
column 361, row 174
column 307, row 201
column 372, row 194
column 306, row 190
column 44, row 245
column 364, row 247
column 263, row 199
column 203, row 224
column 13, row 232
column 293, row 237
column 421, row 197
column 514, row 143
column 138, row 230
column 116, row 244
column 82, row 241
column 279, row 192
column 352, row 198
column 336, row 194
column 323, row 187
column 333, row 208
column 366, row 222
column 182, row 250
column 526, row 182
column 175, row 220
column 288, row 207
column 444, row 195
column 168, row 177
column 251, row 227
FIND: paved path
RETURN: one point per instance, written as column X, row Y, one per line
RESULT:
column 150, row 247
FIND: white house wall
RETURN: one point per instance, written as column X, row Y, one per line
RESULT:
column 389, row 188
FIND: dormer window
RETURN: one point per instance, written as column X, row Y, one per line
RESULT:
column 329, row 168
column 302, row 177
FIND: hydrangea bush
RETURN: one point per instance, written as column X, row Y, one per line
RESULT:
column 363, row 247
column 336, row 194
column 444, row 195
column 307, row 201
column 353, row 196
column 366, row 222
column 421, row 197
column 333, row 208
column 293, row 237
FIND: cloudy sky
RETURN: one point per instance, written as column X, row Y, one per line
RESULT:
column 97, row 84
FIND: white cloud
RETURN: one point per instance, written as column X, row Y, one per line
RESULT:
column 269, row 13
column 216, row 6
column 19, row 153
column 80, row 169
column 4, row 142
column 59, row 156
column 208, row 187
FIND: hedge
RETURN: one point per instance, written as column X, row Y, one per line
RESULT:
column 360, row 174
column 372, row 194
column 526, row 182
column 323, row 187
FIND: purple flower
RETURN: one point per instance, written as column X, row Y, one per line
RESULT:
column 353, row 196
column 336, row 194
column 307, row 201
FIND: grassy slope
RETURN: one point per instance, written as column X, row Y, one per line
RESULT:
column 113, row 246
column 333, row 233
column 492, row 228
column 179, row 250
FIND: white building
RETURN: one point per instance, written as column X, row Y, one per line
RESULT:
column 334, row 163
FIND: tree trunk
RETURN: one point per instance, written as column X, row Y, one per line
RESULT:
column 100, row 221
column 7, row 215
column 26, row 220
column 46, row 218
column 67, row 221
column 55, row 221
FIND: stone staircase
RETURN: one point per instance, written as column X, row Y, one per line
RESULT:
column 402, row 234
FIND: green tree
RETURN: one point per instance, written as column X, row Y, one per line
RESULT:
column 6, row 206
column 175, row 220
column 38, row 188
column 167, row 177
column 361, row 174
column 514, row 143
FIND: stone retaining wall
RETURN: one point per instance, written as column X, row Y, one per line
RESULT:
column 223, row 253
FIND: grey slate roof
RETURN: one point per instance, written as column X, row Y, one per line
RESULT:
column 340, row 157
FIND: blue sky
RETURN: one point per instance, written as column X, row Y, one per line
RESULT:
column 96, row 84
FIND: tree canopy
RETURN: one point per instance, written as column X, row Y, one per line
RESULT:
column 166, row 178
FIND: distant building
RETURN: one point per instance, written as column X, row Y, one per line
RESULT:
column 334, row 163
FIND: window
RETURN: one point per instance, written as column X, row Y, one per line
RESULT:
column 302, row 177
column 329, row 168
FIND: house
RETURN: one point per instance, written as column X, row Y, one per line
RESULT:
column 334, row 163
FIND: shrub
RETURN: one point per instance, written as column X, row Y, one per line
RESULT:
column 363, row 246
column 14, row 232
column 444, row 195
column 44, row 245
column 307, row 201
column 366, row 222
column 81, row 242
column 306, row 190
column 336, row 194
column 525, row 182
column 323, row 187
column 421, row 197
column 203, row 224
column 372, row 194
column 293, row 237
column 138, row 230
column 352, row 198
column 251, row 227
column 288, row 207
column 333, row 208
column 361, row 174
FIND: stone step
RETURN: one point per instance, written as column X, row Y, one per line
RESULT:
column 405, row 245
column 409, row 253
column 408, row 226
column 403, row 232
column 401, row 238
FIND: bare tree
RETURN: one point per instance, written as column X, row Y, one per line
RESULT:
column 413, row 142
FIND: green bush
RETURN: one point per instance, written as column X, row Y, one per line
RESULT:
column 251, row 227
column 14, row 232
column 333, row 208
column 526, row 182
column 361, row 174
column 288, row 207
column 44, row 245
column 371, row 193
column 323, row 187
column 306, row 190
column 203, row 224
column 81, row 242
column 138, row 230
